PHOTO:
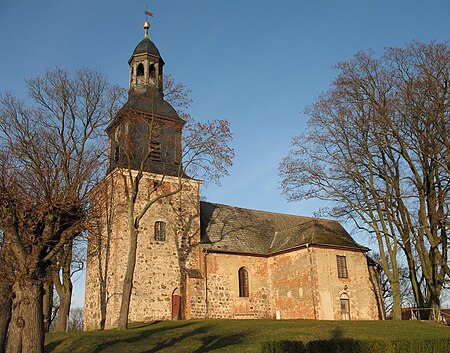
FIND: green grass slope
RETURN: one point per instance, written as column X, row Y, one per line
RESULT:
column 195, row 336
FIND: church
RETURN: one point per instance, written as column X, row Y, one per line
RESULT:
column 197, row 259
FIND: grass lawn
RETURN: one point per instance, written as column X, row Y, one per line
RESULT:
column 230, row 335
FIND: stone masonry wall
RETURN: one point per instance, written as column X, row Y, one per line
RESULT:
column 223, row 287
column 196, row 302
column 357, row 288
column 293, row 284
column 299, row 284
column 160, row 265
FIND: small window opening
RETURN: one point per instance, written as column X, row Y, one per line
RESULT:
column 243, row 282
column 160, row 231
column 341, row 266
column 116, row 154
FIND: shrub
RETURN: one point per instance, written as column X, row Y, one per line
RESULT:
column 348, row 345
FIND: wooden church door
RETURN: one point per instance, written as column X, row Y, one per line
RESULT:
column 176, row 305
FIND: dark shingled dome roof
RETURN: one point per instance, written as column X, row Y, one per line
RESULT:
column 146, row 46
column 239, row 230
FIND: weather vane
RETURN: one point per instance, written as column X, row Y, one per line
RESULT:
column 146, row 23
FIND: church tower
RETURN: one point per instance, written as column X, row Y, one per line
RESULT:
column 144, row 139
column 147, row 129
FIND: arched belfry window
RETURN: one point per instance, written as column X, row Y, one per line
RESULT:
column 151, row 73
column 243, row 282
column 140, row 73
column 160, row 231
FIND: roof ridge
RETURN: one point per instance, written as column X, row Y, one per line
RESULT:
column 270, row 212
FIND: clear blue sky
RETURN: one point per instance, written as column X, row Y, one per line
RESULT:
column 257, row 63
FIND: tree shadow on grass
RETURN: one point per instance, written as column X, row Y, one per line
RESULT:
column 208, row 342
column 142, row 333
column 213, row 342
column 52, row 346
column 154, row 338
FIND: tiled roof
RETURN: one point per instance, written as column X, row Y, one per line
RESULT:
column 239, row 230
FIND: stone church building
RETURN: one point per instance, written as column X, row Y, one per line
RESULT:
column 198, row 259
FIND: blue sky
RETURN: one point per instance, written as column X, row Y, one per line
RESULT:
column 257, row 63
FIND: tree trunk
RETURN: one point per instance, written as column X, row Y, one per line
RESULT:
column 128, row 280
column 47, row 303
column 434, row 304
column 397, row 302
column 183, row 291
column 64, row 309
column 103, row 303
column 63, row 284
column 5, row 314
column 26, row 331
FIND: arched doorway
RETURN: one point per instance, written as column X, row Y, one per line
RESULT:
column 176, row 304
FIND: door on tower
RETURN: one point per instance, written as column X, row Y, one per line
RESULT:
column 176, row 305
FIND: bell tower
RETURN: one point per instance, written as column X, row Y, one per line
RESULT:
column 144, row 142
column 146, row 133
column 146, row 65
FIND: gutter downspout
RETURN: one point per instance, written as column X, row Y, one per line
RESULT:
column 312, row 281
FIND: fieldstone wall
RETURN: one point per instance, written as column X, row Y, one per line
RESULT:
column 196, row 298
column 160, row 265
column 223, row 287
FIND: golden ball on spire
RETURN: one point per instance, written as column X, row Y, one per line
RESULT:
column 146, row 25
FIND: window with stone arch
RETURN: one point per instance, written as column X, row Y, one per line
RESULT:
column 243, row 282
column 160, row 231
column 345, row 306
column 140, row 73
column 151, row 73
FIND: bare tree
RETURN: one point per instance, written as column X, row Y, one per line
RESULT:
column 50, row 159
column 406, row 293
column 101, row 214
column 76, row 319
column 378, row 147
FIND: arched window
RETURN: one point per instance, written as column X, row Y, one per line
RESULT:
column 151, row 72
column 140, row 70
column 243, row 282
column 140, row 73
column 160, row 231
column 345, row 307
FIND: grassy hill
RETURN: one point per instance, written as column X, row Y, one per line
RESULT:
column 231, row 335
